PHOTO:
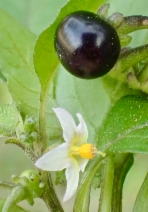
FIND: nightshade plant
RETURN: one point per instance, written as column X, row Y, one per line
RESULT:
column 114, row 107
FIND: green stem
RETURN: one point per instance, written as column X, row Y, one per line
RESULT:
column 120, row 175
column 107, row 184
column 42, row 121
column 7, row 185
column 133, row 23
column 42, row 112
column 30, row 154
column 49, row 195
column 128, row 59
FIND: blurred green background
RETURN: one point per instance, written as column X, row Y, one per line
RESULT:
column 36, row 15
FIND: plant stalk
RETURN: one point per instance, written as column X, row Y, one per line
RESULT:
column 49, row 196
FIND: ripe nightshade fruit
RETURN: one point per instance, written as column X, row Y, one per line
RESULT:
column 87, row 46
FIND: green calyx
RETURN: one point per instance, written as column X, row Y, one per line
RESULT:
column 27, row 187
column 128, row 68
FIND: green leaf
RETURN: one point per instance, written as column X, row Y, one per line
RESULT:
column 15, row 209
column 107, row 184
column 15, row 8
column 9, row 118
column 123, row 163
column 141, row 203
column 126, row 127
column 16, row 47
column 42, row 13
column 5, row 97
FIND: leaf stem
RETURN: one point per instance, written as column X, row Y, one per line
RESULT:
column 107, row 184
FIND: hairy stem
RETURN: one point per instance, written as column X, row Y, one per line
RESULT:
column 128, row 59
column 49, row 195
column 30, row 154
column 7, row 185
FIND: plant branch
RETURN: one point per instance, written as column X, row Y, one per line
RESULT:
column 49, row 195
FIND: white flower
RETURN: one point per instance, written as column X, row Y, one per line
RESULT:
column 72, row 155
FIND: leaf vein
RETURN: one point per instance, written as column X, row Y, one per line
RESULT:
column 109, row 144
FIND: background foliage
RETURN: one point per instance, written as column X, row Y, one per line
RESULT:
column 36, row 15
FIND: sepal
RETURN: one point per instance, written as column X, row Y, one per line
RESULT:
column 28, row 186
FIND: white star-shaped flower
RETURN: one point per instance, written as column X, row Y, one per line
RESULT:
column 73, row 154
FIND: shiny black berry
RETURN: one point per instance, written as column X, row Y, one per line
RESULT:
column 87, row 46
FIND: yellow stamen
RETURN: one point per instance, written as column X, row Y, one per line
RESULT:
column 87, row 151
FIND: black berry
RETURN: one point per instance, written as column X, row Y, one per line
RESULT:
column 87, row 46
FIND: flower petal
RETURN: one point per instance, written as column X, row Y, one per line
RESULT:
column 82, row 163
column 82, row 130
column 67, row 123
column 55, row 160
column 72, row 177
